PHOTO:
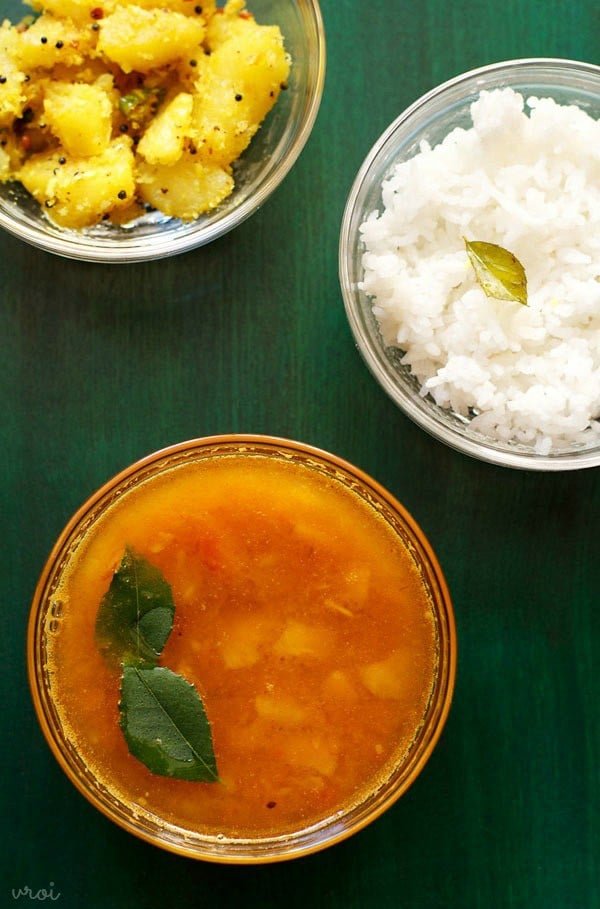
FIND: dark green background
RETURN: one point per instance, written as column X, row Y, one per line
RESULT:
column 101, row 365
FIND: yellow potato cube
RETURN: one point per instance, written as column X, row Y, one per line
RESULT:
column 388, row 678
column 227, row 24
column 80, row 116
column 79, row 191
column 164, row 139
column 144, row 39
column 245, row 642
column 283, row 711
column 184, row 190
column 255, row 62
column 80, row 10
column 49, row 41
column 312, row 752
column 237, row 86
column 299, row 639
column 12, row 96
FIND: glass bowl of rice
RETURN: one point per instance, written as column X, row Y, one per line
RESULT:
column 470, row 263
column 257, row 173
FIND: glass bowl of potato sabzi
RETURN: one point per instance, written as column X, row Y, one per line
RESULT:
column 136, row 129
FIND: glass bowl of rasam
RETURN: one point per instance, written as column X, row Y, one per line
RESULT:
column 242, row 649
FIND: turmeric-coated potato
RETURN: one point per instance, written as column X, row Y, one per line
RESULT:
column 237, row 85
column 164, row 139
column 13, row 96
column 139, row 39
column 185, row 189
column 49, row 41
column 80, row 116
column 111, row 108
column 81, row 10
column 78, row 192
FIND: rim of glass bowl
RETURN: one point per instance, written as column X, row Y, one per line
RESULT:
column 531, row 74
column 212, row 848
column 158, row 236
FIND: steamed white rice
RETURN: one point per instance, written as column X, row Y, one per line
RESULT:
column 526, row 176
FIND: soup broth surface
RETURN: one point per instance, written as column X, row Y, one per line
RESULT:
column 301, row 620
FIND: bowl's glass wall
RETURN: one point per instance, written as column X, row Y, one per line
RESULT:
column 46, row 616
column 431, row 118
column 259, row 171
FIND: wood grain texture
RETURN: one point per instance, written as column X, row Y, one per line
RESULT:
column 101, row 365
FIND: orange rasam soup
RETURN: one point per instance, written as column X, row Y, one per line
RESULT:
column 303, row 618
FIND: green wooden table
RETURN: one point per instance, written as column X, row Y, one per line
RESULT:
column 103, row 364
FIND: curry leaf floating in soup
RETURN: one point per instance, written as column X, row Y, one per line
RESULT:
column 162, row 717
column 165, row 724
column 302, row 621
column 135, row 616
